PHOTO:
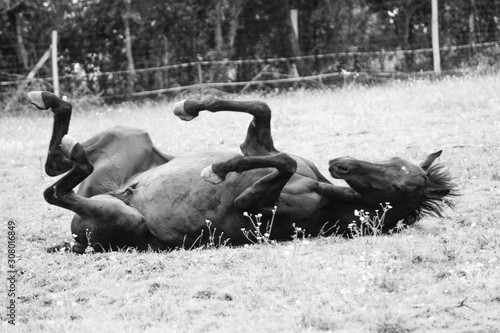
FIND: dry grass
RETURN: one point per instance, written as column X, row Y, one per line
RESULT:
column 442, row 275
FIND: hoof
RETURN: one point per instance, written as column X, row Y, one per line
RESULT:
column 65, row 246
column 35, row 98
column 77, row 247
column 67, row 145
column 210, row 176
column 180, row 112
column 61, row 247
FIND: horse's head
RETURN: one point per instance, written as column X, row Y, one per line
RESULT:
column 412, row 189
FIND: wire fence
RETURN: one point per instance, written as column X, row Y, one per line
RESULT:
column 367, row 39
column 263, row 74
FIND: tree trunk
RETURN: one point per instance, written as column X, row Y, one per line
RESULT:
column 406, row 41
column 234, row 24
column 405, row 31
column 128, row 47
column 162, row 76
column 333, row 41
column 292, row 38
column 165, row 59
column 21, row 50
column 128, row 38
column 219, row 41
column 225, row 44
column 472, row 23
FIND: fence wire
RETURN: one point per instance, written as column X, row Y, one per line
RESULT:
column 263, row 74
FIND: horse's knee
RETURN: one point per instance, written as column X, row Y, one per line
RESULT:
column 50, row 195
column 57, row 163
column 263, row 107
column 262, row 111
column 289, row 165
column 57, row 197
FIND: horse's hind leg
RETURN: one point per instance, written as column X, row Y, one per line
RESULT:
column 104, row 221
column 264, row 192
column 258, row 141
column 57, row 163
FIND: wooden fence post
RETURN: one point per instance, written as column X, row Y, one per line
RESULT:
column 294, row 15
column 55, row 74
column 435, row 38
column 200, row 73
column 39, row 64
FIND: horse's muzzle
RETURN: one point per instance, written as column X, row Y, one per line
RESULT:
column 340, row 166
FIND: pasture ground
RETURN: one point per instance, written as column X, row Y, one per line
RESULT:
column 443, row 275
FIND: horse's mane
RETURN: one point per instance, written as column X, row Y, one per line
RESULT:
column 439, row 180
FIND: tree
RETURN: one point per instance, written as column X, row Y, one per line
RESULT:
column 226, row 21
column 17, row 12
column 107, row 36
column 339, row 26
column 407, row 18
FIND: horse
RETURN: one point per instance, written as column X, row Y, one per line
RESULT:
column 133, row 196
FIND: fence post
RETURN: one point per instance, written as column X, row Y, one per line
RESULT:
column 55, row 75
column 295, row 21
column 200, row 73
column 435, row 38
column 39, row 64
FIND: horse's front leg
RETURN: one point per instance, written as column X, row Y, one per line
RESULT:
column 258, row 141
column 265, row 192
column 57, row 163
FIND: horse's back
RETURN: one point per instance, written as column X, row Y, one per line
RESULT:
column 118, row 154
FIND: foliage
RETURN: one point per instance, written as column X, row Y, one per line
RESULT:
column 167, row 32
column 370, row 225
column 259, row 233
column 97, row 52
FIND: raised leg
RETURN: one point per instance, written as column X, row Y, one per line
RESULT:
column 258, row 142
column 103, row 221
column 264, row 192
column 81, row 169
column 57, row 163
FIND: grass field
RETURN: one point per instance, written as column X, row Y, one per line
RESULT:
column 443, row 275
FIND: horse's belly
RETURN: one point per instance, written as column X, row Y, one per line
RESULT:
column 176, row 201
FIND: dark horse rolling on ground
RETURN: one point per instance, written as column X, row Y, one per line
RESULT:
column 133, row 196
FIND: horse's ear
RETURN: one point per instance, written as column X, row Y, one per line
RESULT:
column 429, row 160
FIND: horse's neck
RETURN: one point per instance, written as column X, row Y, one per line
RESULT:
column 340, row 194
column 348, row 206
